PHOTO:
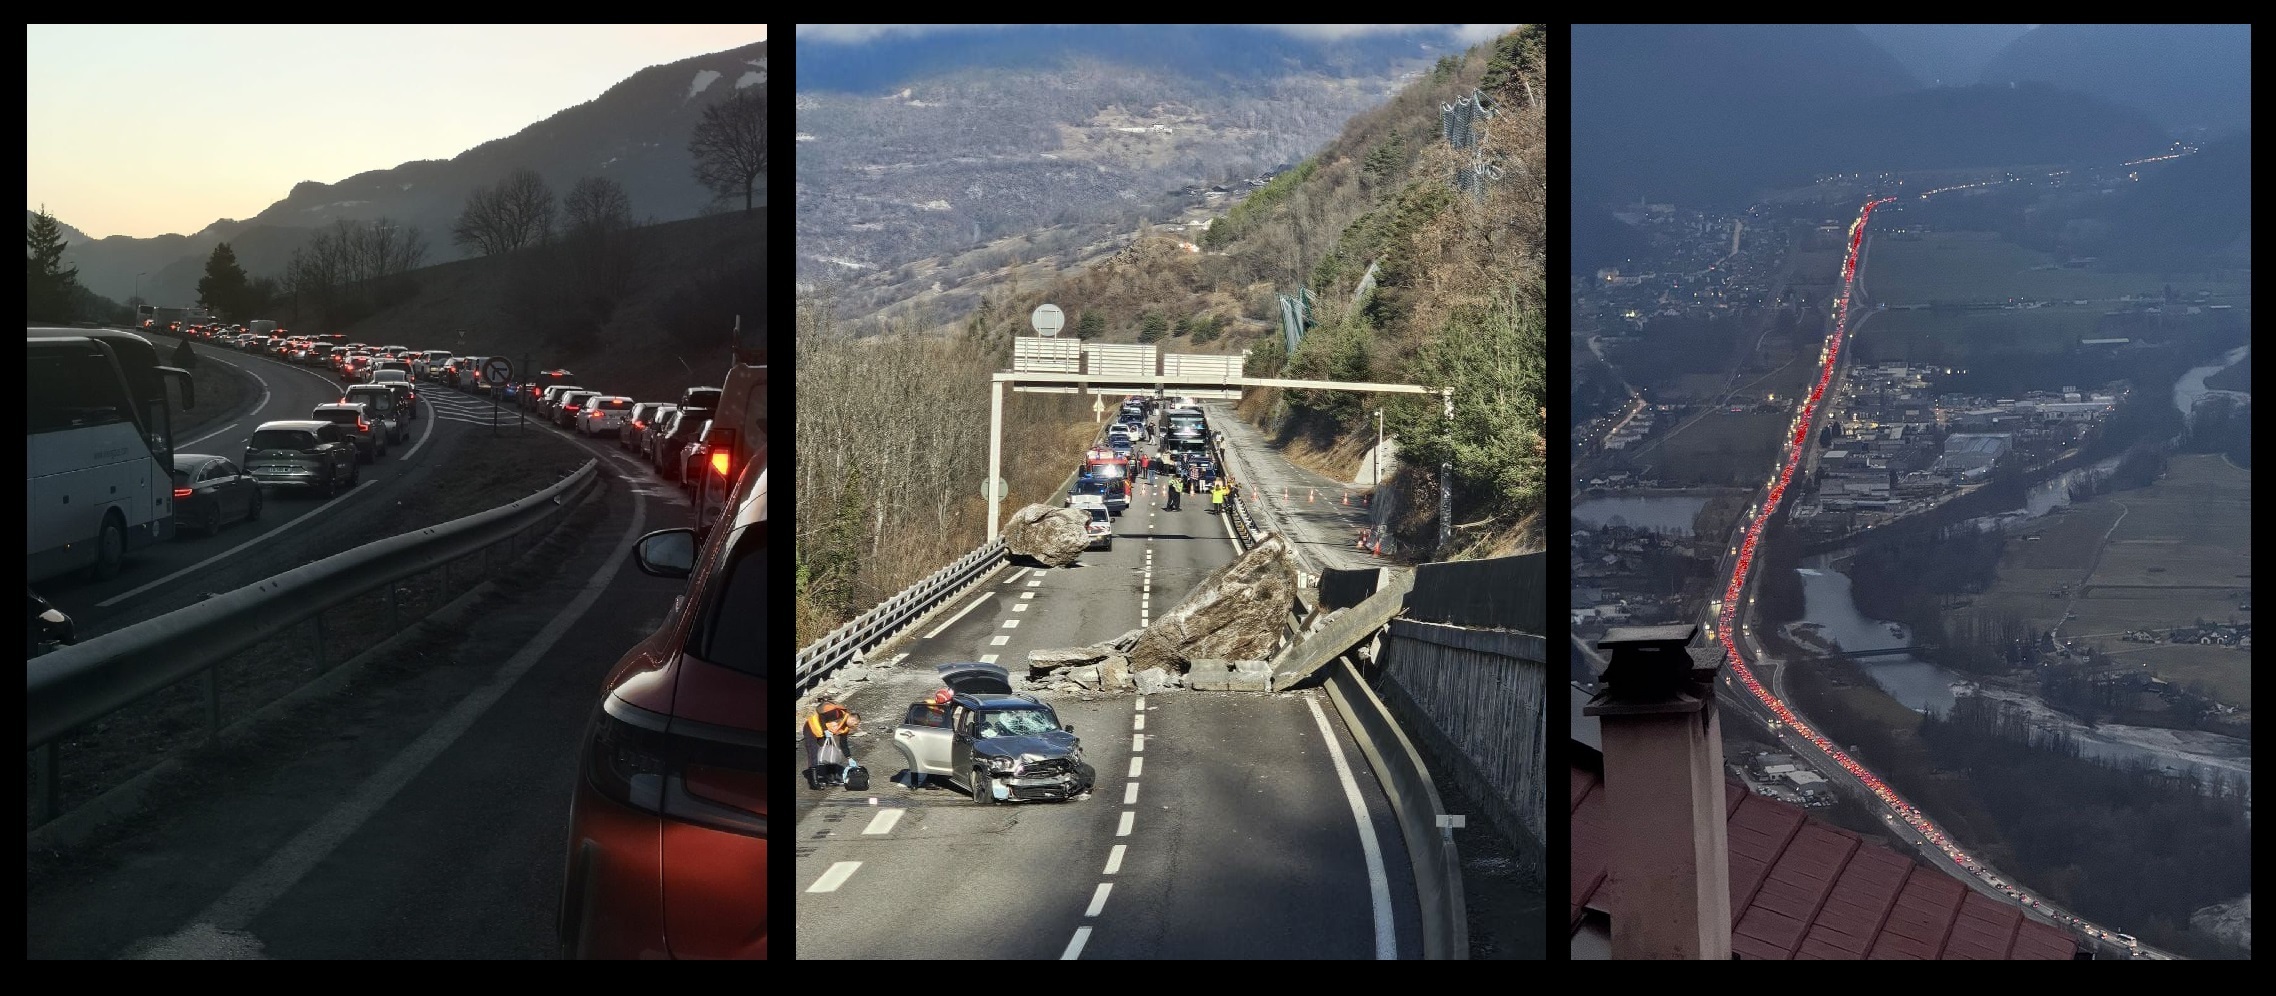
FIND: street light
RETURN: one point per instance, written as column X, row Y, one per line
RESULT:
column 1379, row 447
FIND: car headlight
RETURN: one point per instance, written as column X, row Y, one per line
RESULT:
column 1001, row 764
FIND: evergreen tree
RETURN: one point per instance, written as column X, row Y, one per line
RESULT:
column 1090, row 326
column 224, row 288
column 50, row 288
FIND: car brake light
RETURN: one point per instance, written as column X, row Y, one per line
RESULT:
column 181, row 492
column 721, row 461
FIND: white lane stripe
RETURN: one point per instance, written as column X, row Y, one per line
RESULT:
column 1130, row 794
column 185, row 447
column 1378, row 886
column 987, row 658
column 1124, row 830
column 1026, row 595
column 1114, row 859
column 1016, row 575
column 836, row 876
column 1021, row 606
column 883, row 823
column 1137, row 743
column 1137, row 766
column 312, row 515
column 1138, row 722
column 1037, row 583
column 959, row 615
column 1075, row 947
column 1011, row 624
column 1141, row 703
column 1098, row 899
column 999, row 641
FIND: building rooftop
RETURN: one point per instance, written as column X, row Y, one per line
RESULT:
column 1802, row 888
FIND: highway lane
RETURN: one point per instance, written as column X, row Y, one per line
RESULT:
column 1322, row 518
column 1218, row 827
column 419, row 810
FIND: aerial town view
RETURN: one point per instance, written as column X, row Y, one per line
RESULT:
column 1910, row 448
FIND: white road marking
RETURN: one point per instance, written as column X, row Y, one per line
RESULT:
column 1037, row 583
column 1138, row 743
column 185, row 447
column 1137, row 766
column 1021, row 606
column 1130, row 794
column 1011, row 624
column 836, row 876
column 1378, row 887
column 999, row 641
column 1138, row 722
column 1075, row 947
column 1098, row 899
column 311, row 515
column 1124, row 829
column 1017, row 574
column 1141, row 703
column 883, row 823
column 1114, row 859
column 1026, row 594
column 959, row 615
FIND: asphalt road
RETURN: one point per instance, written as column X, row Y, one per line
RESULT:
column 1220, row 826
column 418, row 812
column 1322, row 518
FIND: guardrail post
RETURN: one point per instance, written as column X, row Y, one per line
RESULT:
column 44, row 801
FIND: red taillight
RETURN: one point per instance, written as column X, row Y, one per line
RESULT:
column 720, row 462
column 182, row 492
column 640, row 425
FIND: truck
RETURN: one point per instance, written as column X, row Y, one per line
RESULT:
column 261, row 326
column 738, row 434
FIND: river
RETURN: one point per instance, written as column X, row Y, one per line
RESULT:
column 1827, row 602
column 2055, row 492
column 1674, row 514
column 2191, row 389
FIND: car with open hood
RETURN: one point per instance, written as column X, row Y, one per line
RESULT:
column 998, row 744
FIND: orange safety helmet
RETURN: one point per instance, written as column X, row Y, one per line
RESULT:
column 942, row 696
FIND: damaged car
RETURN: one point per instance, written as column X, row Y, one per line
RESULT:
column 999, row 745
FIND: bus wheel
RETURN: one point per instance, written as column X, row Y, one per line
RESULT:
column 110, row 549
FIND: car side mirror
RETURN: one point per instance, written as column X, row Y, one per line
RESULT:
column 1069, row 727
column 666, row 553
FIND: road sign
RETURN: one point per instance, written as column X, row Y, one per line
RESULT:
column 1098, row 409
column 1048, row 320
column 1003, row 489
column 497, row 370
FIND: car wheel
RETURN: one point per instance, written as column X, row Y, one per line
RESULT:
column 253, row 508
column 983, row 791
column 110, row 550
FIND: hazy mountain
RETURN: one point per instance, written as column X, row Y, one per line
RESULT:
column 2184, row 75
column 1713, row 113
column 1944, row 54
column 1684, row 111
column 636, row 133
column 2193, row 214
column 927, row 146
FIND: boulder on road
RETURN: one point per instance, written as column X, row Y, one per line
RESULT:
column 1127, row 640
column 1054, row 537
column 1209, row 674
column 1152, row 680
column 1085, row 677
column 1114, row 673
column 1238, row 612
column 1043, row 662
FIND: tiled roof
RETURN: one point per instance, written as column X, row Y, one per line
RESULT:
column 1803, row 888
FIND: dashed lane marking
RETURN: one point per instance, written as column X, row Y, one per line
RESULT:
column 1138, row 722
column 950, row 621
column 1114, row 859
column 998, row 641
column 1016, row 575
column 987, row 658
column 836, row 876
column 1021, row 606
column 1137, row 743
column 1037, row 583
column 1098, row 898
column 1137, row 766
column 1011, row 624
column 883, row 822
column 1130, row 794
column 1075, row 947
column 1026, row 594
column 1124, row 829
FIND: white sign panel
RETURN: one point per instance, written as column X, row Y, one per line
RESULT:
column 1048, row 320
column 1047, row 355
column 1197, row 366
column 1109, row 360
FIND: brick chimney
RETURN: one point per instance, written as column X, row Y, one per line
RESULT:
column 1663, row 779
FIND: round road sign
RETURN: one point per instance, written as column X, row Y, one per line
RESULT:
column 1048, row 320
column 497, row 370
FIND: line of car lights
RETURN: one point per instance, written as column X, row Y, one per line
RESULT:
column 1727, row 633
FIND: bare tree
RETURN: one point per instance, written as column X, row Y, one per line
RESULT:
column 596, row 204
column 516, row 212
column 730, row 145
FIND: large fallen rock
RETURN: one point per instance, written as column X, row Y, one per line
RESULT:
column 1237, row 613
column 1055, row 537
column 1044, row 662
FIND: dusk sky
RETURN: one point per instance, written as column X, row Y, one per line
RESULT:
column 146, row 131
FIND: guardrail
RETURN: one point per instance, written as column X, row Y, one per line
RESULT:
column 1415, row 802
column 79, row 684
column 890, row 616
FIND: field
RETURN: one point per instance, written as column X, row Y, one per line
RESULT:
column 1926, row 335
column 2180, row 551
column 1719, row 449
column 1966, row 266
